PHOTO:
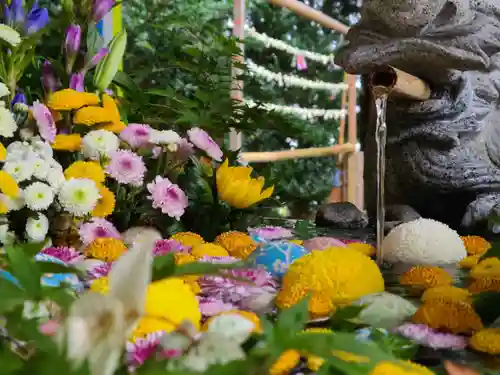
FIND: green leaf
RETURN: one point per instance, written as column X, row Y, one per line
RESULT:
column 294, row 319
column 94, row 40
column 163, row 267
column 493, row 252
column 201, row 268
column 32, row 249
column 344, row 318
column 487, row 306
column 25, row 270
column 10, row 362
column 11, row 296
column 48, row 267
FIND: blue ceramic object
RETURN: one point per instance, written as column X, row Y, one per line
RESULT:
column 258, row 239
column 277, row 256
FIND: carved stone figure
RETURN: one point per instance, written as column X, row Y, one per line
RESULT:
column 443, row 155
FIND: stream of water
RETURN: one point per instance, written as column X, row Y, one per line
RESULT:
column 380, row 94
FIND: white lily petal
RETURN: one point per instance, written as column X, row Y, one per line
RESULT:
column 76, row 336
column 104, row 360
column 232, row 326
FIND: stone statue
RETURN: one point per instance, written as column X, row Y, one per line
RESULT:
column 443, row 155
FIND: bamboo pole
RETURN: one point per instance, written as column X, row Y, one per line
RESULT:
column 400, row 83
column 315, row 152
column 235, row 137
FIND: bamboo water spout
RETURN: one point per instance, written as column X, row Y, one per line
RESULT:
column 400, row 83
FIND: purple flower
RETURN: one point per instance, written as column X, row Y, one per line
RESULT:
column 136, row 135
column 168, row 197
column 142, row 349
column 96, row 58
column 203, row 141
column 126, row 167
column 97, row 271
column 271, row 233
column 426, row 336
column 15, row 13
column 185, row 150
column 101, row 8
column 97, row 228
column 19, row 98
column 36, row 19
column 163, row 247
column 73, row 39
column 45, row 121
column 77, row 82
column 210, row 306
column 49, row 81
column 66, row 254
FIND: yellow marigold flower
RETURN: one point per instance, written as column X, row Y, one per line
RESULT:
column 114, row 127
column 8, row 185
column 67, row 142
column 450, row 316
column 91, row 116
column 183, row 258
column 486, row 341
column 333, row 277
column 209, row 249
column 105, row 249
column 106, row 204
column 400, row 368
column 237, row 188
column 192, row 283
column 86, row 169
column 191, row 280
column 238, row 244
column 169, row 302
column 485, row 284
column 188, row 238
column 68, row 99
column 297, row 242
column 285, row 363
column 364, row 248
column 469, row 261
column 447, row 293
column 3, row 152
column 424, row 277
column 489, row 267
column 100, row 285
column 475, row 244
column 244, row 314
column 3, row 208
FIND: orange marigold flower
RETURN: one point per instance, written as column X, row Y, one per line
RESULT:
column 424, row 277
column 486, row 341
column 106, row 249
column 489, row 267
column 188, row 238
column 469, row 261
column 446, row 293
column 238, row 244
column 485, row 284
column 475, row 244
column 209, row 249
column 285, row 363
column 68, row 99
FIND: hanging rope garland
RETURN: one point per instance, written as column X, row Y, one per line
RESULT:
column 311, row 114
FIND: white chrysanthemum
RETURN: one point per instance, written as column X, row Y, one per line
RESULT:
column 42, row 148
column 55, row 178
column 423, row 242
column 385, row 310
column 41, row 168
column 25, row 133
column 164, row 137
column 99, row 143
column 10, row 35
column 37, row 228
column 13, row 204
column 4, row 90
column 20, row 151
column 19, row 170
column 79, row 196
column 8, row 124
column 38, row 196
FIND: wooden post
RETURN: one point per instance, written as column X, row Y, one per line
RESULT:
column 352, row 137
column 236, row 138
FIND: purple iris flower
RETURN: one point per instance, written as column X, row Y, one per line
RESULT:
column 36, row 19
column 73, row 39
column 76, row 82
column 101, row 8
column 19, row 98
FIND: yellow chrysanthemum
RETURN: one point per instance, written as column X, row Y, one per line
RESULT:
column 237, row 188
column 446, row 293
column 424, row 277
column 400, row 368
column 108, row 115
column 68, row 99
column 183, row 258
column 486, row 341
column 469, row 261
column 364, row 248
column 333, row 277
column 3, row 152
column 244, row 314
column 8, row 185
column 285, row 363
column 105, row 249
column 86, row 169
column 449, row 316
column 67, row 142
column 489, row 267
column 188, row 238
column 297, row 242
column 169, row 302
column 3, row 208
column 475, row 244
column 192, row 283
column 209, row 249
column 106, row 204
column 485, row 284
column 114, row 127
column 191, row 280
column 238, row 244
column 100, row 285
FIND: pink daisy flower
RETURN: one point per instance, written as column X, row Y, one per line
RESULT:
column 44, row 121
column 426, row 336
column 185, row 149
column 66, row 254
column 168, row 197
column 210, row 306
column 163, row 247
column 98, row 271
column 270, row 232
column 97, row 228
column 142, row 349
column 126, row 167
column 136, row 135
column 203, row 141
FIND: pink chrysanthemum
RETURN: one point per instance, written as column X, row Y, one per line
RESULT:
column 44, row 121
column 168, row 197
column 210, row 306
column 142, row 349
column 66, row 254
column 97, row 228
column 101, row 270
column 203, row 141
column 126, row 167
column 185, row 149
column 425, row 336
column 136, row 135
column 163, row 247
column 271, row 233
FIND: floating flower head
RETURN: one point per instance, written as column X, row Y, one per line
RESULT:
column 446, row 293
column 79, row 196
column 469, row 261
column 66, row 254
column 209, row 249
column 142, row 349
column 97, row 228
column 68, row 99
column 271, row 233
column 107, row 249
column 475, row 244
column 126, row 167
column 236, row 187
column 168, row 197
column 85, row 169
column 164, row 247
column 237, row 244
column 424, row 277
column 425, row 336
column 485, row 284
column 486, row 341
column 203, row 141
column 188, row 238
column 136, row 135
column 489, row 267
column 67, row 142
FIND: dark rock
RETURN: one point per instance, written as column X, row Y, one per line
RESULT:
column 398, row 214
column 343, row 215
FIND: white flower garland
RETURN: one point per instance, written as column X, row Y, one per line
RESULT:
column 282, row 46
column 304, row 113
column 287, row 80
